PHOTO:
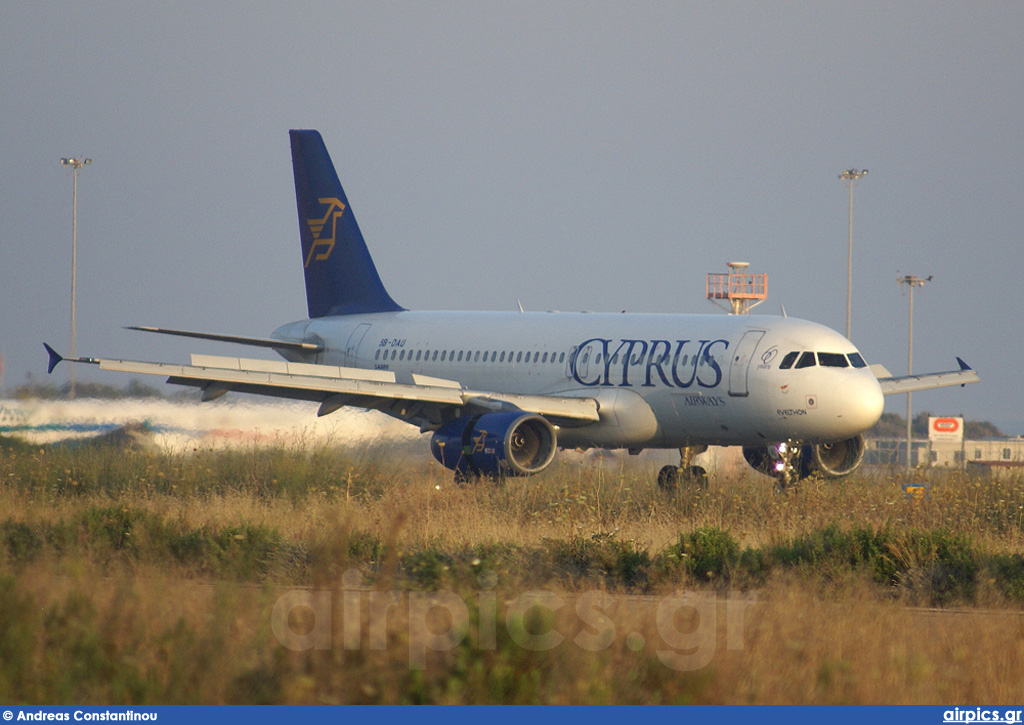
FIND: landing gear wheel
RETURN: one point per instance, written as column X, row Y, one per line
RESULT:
column 671, row 477
column 668, row 478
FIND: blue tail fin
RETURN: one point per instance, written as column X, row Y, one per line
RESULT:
column 341, row 278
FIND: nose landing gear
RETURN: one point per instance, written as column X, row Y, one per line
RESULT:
column 670, row 477
column 785, row 460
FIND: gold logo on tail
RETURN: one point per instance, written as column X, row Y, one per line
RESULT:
column 334, row 211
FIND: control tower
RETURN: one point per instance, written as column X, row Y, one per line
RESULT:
column 743, row 291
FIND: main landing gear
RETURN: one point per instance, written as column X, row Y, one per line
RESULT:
column 687, row 474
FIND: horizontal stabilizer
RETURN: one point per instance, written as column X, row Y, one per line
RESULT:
column 929, row 381
column 253, row 341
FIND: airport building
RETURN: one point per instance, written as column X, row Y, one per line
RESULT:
column 947, row 448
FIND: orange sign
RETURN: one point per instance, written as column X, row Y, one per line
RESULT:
column 946, row 429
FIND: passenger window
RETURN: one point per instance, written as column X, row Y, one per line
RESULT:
column 476, row 358
column 806, row 361
column 856, row 360
column 419, row 355
column 787, row 362
column 561, row 358
column 832, row 360
column 519, row 356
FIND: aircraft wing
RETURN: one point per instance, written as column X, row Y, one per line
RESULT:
column 423, row 400
column 912, row 383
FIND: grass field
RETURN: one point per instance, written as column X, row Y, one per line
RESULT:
column 315, row 574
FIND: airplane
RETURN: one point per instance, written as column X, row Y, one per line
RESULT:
column 501, row 392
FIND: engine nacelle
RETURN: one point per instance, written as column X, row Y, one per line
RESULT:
column 837, row 459
column 832, row 460
column 496, row 444
column 760, row 458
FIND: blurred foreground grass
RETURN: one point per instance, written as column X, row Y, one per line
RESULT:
column 145, row 577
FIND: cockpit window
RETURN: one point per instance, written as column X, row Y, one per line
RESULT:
column 856, row 360
column 787, row 362
column 806, row 361
column 832, row 360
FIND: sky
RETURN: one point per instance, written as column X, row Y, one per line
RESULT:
column 570, row 155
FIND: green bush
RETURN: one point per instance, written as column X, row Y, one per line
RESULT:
column 705, row 554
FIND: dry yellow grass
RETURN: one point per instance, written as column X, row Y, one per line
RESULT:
column 148, row 638
column 160, row 633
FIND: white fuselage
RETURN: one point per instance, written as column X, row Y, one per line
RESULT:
column 661, row 380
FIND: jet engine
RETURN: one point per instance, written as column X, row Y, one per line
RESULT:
column 496, row 444
column 839, row 458
column 832, row 460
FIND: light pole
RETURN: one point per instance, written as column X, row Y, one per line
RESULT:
column 76, row 165
column 911, row 281
column 850, row 176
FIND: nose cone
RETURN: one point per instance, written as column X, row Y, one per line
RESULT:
column 862, row 403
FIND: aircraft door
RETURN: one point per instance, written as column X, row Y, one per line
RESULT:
column 578, row 361
column 352, row 346
column 740, row 365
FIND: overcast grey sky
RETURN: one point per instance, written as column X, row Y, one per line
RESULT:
column 573, row 155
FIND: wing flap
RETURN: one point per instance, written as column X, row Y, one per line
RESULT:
column 563, row 411
column 290, row 368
